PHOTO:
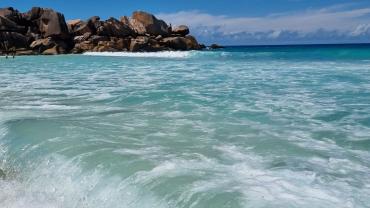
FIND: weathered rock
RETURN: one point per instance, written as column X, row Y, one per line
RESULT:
column 182, row 30
column 181, row 43
column 86, row 45
column 155, row 45
column 177, row 43
column 159, row 37
column 47, row 22
column 202, row 46
column 104, row 48
column 33, row 14
column 192, row 43
column 137, row 27
column 139, row 44
column 114, row 28
column 42, row 44
column 73, row 23
column 81, row 29
column 151, row 24
column 94, row 19
column 25, row 52
column 10, row 40
column 81, row 38
column 8, row 25
column 95, row 39
column 54, row 50
column 32, row 36
column 52, row 24
column 55, row 46
column 94, row 23
column 45, row 31
column 125, row 20
column 121, row 44
column 13, row 15
column 215, row 46
column 51, row 51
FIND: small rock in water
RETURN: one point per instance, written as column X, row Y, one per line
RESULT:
column 215, row 46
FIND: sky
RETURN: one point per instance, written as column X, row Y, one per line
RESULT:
column 236, row 22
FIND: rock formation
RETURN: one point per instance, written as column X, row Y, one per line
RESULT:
column 45, row 31
column 215, row 46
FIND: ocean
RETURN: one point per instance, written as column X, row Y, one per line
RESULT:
column 253, row 127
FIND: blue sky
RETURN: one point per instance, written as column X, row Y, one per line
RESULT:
column 237, row 22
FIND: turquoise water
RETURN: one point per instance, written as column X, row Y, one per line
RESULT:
column 241, row 127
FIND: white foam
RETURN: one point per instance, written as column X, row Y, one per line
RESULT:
column 56, row 182
column 162, row 54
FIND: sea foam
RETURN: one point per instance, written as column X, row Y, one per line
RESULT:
column 163, row 54
column 234, row 128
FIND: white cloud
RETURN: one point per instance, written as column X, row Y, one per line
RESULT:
column 362, row 29
column 337, row 21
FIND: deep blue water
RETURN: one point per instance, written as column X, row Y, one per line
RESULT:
column 272, row 126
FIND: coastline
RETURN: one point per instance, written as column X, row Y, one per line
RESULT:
column 43, row 31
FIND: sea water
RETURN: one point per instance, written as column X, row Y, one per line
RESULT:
column 239, row 127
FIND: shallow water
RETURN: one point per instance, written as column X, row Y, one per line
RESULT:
column 241, row 127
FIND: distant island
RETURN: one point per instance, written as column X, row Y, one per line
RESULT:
column 45, row 31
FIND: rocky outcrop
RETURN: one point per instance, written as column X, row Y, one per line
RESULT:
column 152, row 25
column 215, row 46
column 114, row 28
column 181, row 30
column 49, row 46
column 45, row 31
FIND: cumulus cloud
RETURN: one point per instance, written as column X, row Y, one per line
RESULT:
column 333, row 24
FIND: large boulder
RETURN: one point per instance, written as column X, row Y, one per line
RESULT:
column 54, row 51
column 95, row 39
column 139, row 44
column 10, row 26
column 177, row 43
column 94, row 23
column 125, row 20
column 49, row 46
column 152, row 25
column 82, row 28
column 53, row 24
column 216, row 46
column 84, row 37
column 10, row 40
column 181, row 30
column 114, row 28
column 73, row 23
column 83, row 46
column 42, row 44
column 137, row 27
column 47, row 22
column 13, row 15
column 181, row 43
column 192, row 43
column 33, row 14
column 121, row 44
